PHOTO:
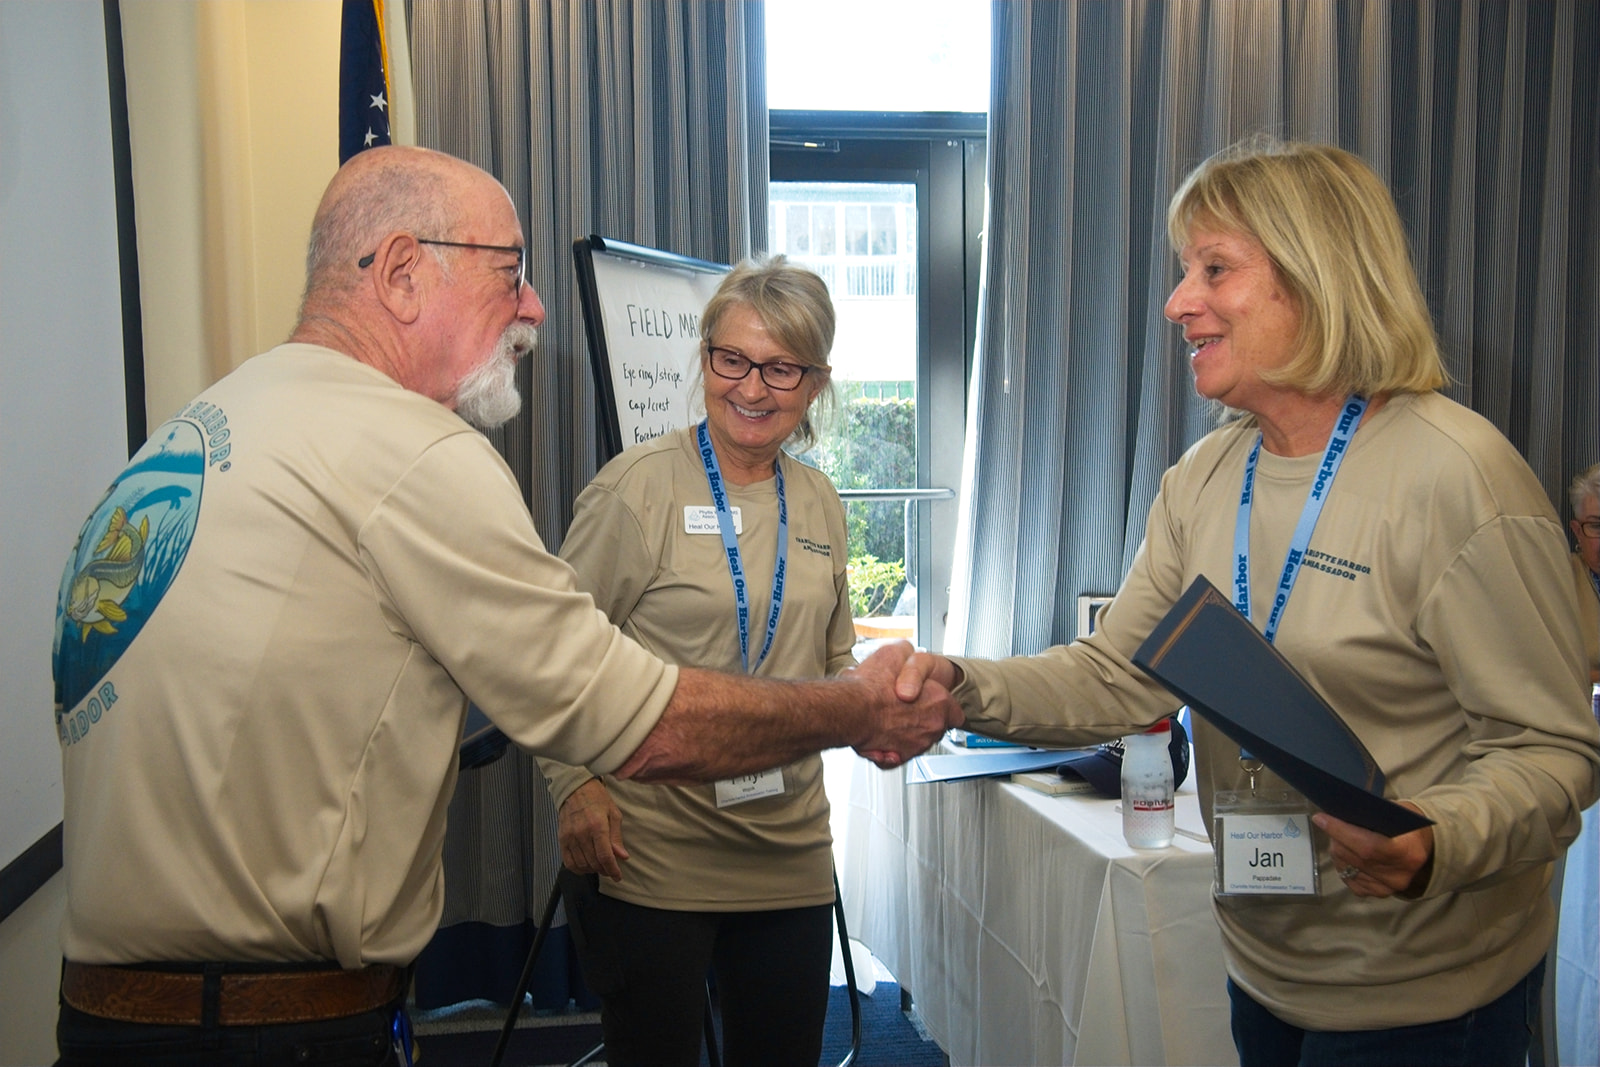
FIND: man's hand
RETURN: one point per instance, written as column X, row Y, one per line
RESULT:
column 910, row 721
column 589, row 827
column 1372, row 865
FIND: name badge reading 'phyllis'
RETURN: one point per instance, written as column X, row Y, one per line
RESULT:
column 703, row 520
column 731, row 791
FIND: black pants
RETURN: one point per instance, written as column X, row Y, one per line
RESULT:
column 649, row 968
column 355, row 1041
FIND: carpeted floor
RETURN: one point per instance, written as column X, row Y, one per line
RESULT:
column 466, row 1036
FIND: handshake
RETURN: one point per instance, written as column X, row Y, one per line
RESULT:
column 917, row 708
column 891, row 706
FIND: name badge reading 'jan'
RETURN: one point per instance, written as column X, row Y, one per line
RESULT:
column 1265, row 855
column 703, row 520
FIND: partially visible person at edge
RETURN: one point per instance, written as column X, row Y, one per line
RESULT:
column 1585, row 495
column 736, row 876
column 270, row 628
column 1433, row 608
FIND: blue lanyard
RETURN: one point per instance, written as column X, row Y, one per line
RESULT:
column 730, row 542
column 1338, row 442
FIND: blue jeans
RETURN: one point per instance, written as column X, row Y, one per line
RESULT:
column 1495, row 1035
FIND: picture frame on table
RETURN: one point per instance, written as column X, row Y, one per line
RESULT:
column 1089, row 605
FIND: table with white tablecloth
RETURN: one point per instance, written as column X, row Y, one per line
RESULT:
column 1028, row 932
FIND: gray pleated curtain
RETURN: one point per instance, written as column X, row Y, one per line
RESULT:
column 640, row 120
column 1482, row 116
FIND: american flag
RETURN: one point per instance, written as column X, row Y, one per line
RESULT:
column 364, row 88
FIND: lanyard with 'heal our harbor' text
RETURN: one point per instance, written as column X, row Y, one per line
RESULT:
column 1344, row 428
column 730, row 543
column 1263, row 842
column 768, row 783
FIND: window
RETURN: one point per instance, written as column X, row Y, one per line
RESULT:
column 879, row 55
column 887, row 209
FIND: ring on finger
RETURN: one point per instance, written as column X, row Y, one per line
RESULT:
column 1349, row 872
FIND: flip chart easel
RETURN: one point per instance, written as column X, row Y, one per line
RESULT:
column 641, row 312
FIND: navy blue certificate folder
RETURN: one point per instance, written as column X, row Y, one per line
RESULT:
column 1210, row 655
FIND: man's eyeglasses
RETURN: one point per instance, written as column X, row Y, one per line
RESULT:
column 1590, row 527
column 726, row 363
column 516, row 250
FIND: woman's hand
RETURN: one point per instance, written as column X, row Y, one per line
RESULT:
column 1372, row 865
column 589, row 827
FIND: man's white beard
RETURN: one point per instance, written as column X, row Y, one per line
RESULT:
column 488, row 397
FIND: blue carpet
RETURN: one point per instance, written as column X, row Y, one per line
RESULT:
column 888, row 1039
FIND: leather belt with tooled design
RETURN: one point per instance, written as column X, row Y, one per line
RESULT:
column 178, row 998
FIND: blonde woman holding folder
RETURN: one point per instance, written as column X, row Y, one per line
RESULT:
column 1404, row 559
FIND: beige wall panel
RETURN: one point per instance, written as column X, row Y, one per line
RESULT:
column 293, row 72
column 228, row 247
column 233, row 112
column 160, row 49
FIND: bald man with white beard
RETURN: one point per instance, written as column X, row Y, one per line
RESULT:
column 271, row 626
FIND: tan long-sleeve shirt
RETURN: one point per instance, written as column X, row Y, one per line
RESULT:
column 1436, row 613
column 669, row 589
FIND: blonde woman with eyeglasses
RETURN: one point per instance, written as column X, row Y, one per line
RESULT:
column 713, row 547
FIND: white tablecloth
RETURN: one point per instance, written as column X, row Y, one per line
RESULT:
column 1578, row 951
column 1028, row 932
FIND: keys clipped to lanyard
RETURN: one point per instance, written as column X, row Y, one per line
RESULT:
column 1252, row 767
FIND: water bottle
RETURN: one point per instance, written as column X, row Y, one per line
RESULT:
column 1147, row 791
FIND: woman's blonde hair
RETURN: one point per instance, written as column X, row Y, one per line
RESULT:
column 1331, row 230
column 793, row 303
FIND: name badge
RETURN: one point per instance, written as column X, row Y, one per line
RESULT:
column 731, row 791
column 703, row 520
column 1265, row 855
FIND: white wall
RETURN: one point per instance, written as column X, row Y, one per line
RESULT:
column 30, row 969
column 63, row 431
column 63, row 423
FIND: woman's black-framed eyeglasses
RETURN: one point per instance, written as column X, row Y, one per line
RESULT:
column 516, row 250
column 784, row 377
